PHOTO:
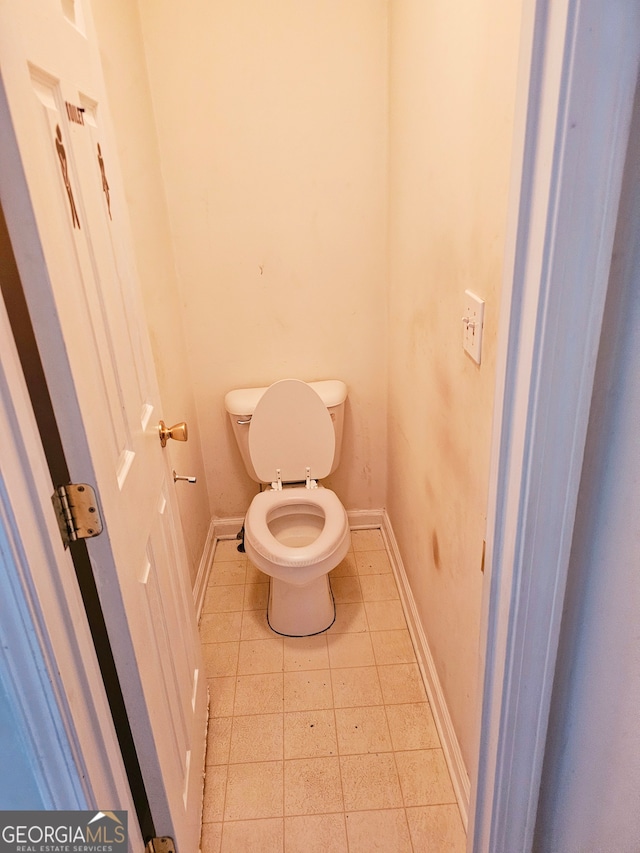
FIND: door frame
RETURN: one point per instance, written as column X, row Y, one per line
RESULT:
column 577, row 80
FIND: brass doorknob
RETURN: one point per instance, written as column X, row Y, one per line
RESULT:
column 177, row 432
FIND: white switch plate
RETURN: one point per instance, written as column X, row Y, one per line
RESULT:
column 472, row 323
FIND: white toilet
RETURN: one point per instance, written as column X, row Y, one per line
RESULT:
column 296, row 531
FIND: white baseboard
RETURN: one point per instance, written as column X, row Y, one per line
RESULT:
column 443, row 721
column 227, row 528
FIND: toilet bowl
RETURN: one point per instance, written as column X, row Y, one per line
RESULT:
column 296, row 531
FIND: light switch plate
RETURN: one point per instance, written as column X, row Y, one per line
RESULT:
column 472, row 323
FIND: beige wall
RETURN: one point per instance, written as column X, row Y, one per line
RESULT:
column 452, row 89
column 272, row 123
column 119, row 37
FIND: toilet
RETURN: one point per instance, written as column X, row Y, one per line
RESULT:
column 295, row 530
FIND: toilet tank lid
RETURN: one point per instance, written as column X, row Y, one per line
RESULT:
column 243, row 401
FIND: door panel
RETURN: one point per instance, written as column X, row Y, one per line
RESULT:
column 67, row 219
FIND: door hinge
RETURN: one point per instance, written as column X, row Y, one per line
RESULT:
column 160, row 845
column 76, row 507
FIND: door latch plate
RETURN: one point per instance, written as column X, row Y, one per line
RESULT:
column 160, row 845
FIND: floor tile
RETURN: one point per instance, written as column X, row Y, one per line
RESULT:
column 211, row 838
column 424, row 778
column 350, row 650
column 437, row 828
column 303, row 653
column 259, row 694
column 378, row 587
column 304, row 691
column 384, row 615
column 412, row 726
column 220, row 627
column 346, row 590
column 254, row 790
column 312, row 786
column 310, row 734
column 350, row 619
column 322, row 833
column 259, row 656
column 372, row 563
column 253, row 836
column 401, row 683
column 356, row 686
column 370, row 782
column 362, row 730
column 392, row 647
column 220, row 659
column 384, row 831
column 256, row 737
column 302, row 730
column 367, row 540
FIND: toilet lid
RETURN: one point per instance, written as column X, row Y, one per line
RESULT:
column 291, row 430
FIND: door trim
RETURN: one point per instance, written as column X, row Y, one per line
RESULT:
column 579, row 66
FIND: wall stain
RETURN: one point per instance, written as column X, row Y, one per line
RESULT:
column 436, row 550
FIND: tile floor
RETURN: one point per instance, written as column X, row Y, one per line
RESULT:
column 323, row 743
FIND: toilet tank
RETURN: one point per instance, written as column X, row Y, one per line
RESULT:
column 241, row 404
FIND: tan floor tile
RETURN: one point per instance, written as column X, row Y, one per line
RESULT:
column 346, row 590
column 221, row 692
column 345, row 567
column 227, row 549
column 228, row 573
column 253, row 836
column 257, row 737
column 310, row 734
column 254, row 791
column 412, row 726
column 401, row 683
column 385, row 615
column 256, row 596
column 258, row 656
column 220, row 627
column 378, row 587
column 367, row 540
column 424, row 777
column 312, row 786
column 384, row 831
column 308, row 690
column 322, row 833
column 220, row 659
column 302, row 653
column 350, row 619
column 254, row 575
column 373, row 563
column 218, row 740
column 222, row 599
column 211, row 838
column 392, row 647
column 370, row 782
column 362, row 730
column 259, row 694
column 214, row 793
column 356, row 686
column 350, row 650
column 255, row 626
column 437, row 828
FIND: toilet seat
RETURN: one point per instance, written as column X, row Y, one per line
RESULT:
column 291, row 437
column 332, row 537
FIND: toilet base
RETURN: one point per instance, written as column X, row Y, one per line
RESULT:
column 301, row 611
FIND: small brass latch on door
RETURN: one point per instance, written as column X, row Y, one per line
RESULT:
column 178, row 432
column 160, row 845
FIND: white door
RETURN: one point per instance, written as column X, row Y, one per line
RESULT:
column 66, row 215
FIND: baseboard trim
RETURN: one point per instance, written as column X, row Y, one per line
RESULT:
column 443, row 721
column 227, row 528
